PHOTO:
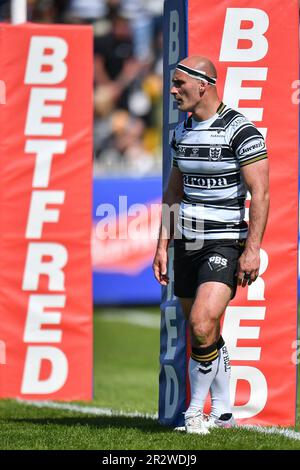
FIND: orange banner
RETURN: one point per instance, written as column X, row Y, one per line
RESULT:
column 45, row 203
column 254, row 44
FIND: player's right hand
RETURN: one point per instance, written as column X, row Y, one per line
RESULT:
column 159, row 266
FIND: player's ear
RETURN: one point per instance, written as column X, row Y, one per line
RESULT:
column 202, row 86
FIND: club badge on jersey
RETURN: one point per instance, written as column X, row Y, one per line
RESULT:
column 215, row 153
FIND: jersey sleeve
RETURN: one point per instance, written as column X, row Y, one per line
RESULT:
column 174, row 151
column 247, row 142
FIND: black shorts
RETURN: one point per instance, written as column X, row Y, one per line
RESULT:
column 216, row 260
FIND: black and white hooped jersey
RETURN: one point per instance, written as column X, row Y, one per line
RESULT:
column 210, row 154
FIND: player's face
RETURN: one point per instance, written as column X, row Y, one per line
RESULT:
column 186, row 91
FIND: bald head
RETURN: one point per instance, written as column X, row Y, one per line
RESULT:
column 200, row 63
column 194, row 87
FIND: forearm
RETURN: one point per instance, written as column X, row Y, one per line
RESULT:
column 258, row 215
column 170, row 207
column 256, row 178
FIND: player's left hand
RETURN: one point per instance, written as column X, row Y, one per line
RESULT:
column 248, row 266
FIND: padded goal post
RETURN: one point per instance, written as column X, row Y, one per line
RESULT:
column 247, row 42
column 46, row 117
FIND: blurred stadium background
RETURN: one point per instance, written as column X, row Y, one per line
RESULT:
column 127, row 161
column 127, row 127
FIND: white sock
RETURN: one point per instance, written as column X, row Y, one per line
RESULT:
column 203, row 366
column 220, row 387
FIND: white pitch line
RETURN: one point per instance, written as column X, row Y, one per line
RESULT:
column 289, row 433
column 93, row 410
column 87, row 410
column 140, row 318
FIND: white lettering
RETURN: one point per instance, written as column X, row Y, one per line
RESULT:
column 38, row 214
column 39, row 58
column 258, row 391
column 174, row 37
column 171, row 385
column 230, row 52
column 35, row 266
column 32, row 383
column 234, row 91
column 46, row 66
column 170, row 315
column 233, row 331
column 44, row 150
column 256, row 291
column 36, row 317
column 38, row 109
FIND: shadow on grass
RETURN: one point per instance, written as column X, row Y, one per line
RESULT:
column 100, row 422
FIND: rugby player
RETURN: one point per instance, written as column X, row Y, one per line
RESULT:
column 218, row 155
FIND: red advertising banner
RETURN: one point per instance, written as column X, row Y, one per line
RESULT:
column 45, row 204
column 254, row 44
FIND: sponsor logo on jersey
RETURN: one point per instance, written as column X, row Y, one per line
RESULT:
column 217, row 263
column 181, row 151
column 219, row 135
column 253, row 147
column 238, row 121
column 205, row 182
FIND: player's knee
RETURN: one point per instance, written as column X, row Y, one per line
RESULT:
column 204, row 325
column 210, row 314
column 201, row 331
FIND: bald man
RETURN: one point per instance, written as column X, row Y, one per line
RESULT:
column 217, row 155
